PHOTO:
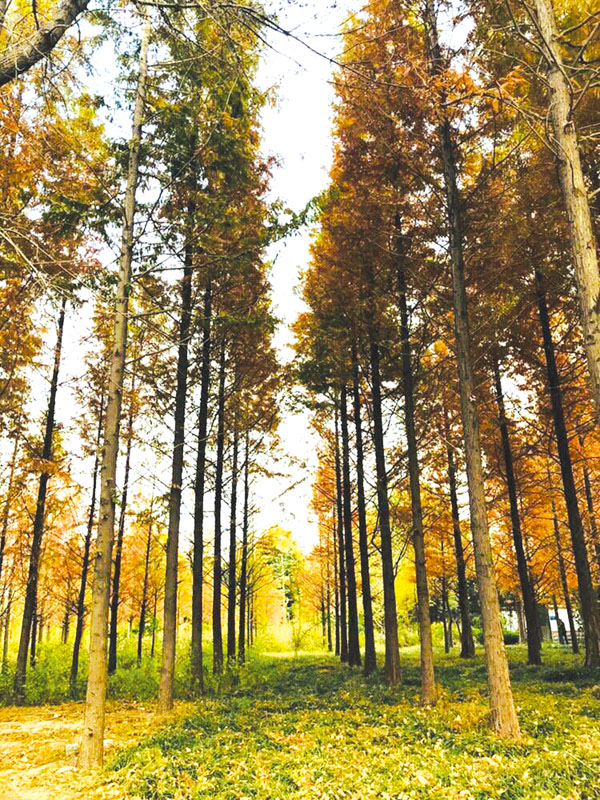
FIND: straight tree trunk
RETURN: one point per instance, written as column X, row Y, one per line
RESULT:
column 80, row 608
column 7, row 504
column 336, row 585
column 590, row 506
column 114, row 601
column 534, row 636
column 38, row 523
column 563, row 580
column 144, row 603
column 589, row 604
column 328, row 601
column 167, row 671
column 232, row 567
column 353, row 643
column 199, row 488
column 428, row 693
column 340, row 544
column 503, row 712
column 363, row 542
column 91, row 752
column 244, row 564
column 154, row 623
column 392, row 652
column 34, row 628
column 581, row 231
column 467, row 645
column 6, row 638
column 217, row 569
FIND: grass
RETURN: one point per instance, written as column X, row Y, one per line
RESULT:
column 307, row 728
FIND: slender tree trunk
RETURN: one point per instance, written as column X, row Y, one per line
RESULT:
column 328, row 601
column 34, row 627
column 589, row 604
column 217, row 569
column 144, row 603
column 392, row 652
column 92, row 744
column 199, row 488
column 38, row 523
column 467, row 645
column 244, row 564
column 114, row 601
column 353, row 643
column 563, row 580
column 590, row 506
column 80, row 609
column 561, row 637
column 534, row 636
column 340, row 544
column 7, row 504
column 503, row 712
column 581, row 231
column 428, row 693
column 6, row 639
column 154, row 623
column 167, row 671
column 336, row 584
column 232, row 567
column 363, row 542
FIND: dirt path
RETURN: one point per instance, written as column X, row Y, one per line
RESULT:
column 38, row 749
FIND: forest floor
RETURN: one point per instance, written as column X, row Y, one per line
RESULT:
column 307, row 728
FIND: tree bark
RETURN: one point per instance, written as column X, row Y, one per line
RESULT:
column 353, row 643
column 6, row 638
column 363, row 542
column 199, row 488
column 38, row 523
column 336, row 585
column 340, row 545
column 590, row 506
column 581, row 231
column 167, row 671
column 217, row 568
column 232, row 566
column 534, row 636
column 92, row 744
column 589, row 604
column 114, row 601
column 467, row 645
column 428, row 693
column 563, row 580
column 503, row 712
column 144, row 603
column 7, row 504
column 244, row 564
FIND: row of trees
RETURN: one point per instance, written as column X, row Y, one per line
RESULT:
column 444, row 247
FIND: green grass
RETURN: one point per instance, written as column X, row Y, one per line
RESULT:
column 308, row 728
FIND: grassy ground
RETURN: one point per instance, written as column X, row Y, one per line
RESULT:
column 306, row 728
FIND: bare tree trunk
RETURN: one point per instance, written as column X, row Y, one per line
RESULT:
column 589, row 604
column 590, row 506
column 328, row 584
column 353, row 643
column 503, row 712
column 92, row 744
column 581, row 231
column 232, row 571
column 7, row 504
column 6, row 638
column 199, row 487
column 167, row 671
column 340, row 543
column 114, row 602
column 392, row 652
column 144, row 603
column 563, row 580
column 154, row 622
column 244, row 564
column 363, row 542
column 428, row 693
column 467, row 645
column 38, row 523
column 80, row 609
column 534, row 636
column 217, row 568
column 336, row 584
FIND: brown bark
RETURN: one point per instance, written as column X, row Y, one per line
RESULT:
column 563, row 580
column 144, row 603
column 217, row 567
column 232, row 566
column 343, row 626
column 244, row 564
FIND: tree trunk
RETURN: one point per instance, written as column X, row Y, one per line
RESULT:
column 244, row 564
column 428, row 694
column 336, row 585
column 6, row 638
column 590, row 506
column 92, row 743
column 467, row 645
column 80, row 609
column 503, row 713
column 589, row 604
column 392, row 652
column 563, row 580
column 144, row 603
column 217, row 568
column 534, row 636
column 114, row 601
column 363, row 542
column 167, row 671
column 38, row 523
column 232, row 567
column 199, row 487
column 353, row 643
column 7, row 504
column 340, row 545
column 581, row 232
column 154, row 623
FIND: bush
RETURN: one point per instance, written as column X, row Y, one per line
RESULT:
column 510, row 637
